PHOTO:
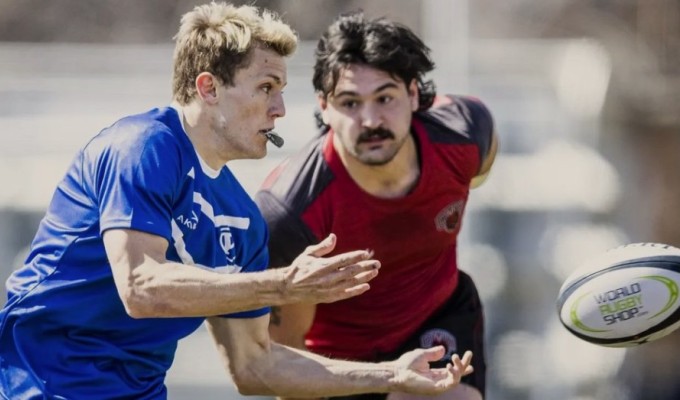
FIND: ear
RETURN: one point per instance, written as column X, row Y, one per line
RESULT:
column 414, row 96
column 206, row 87
column 323, row 105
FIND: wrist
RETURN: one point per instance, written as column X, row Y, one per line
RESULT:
column 394, row 377
column 283, row 285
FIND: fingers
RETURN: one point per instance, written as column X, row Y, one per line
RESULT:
column 359, row 273
column 323, row 247
column 461, row 368
column 456, row 369
column 349, row 292
column 327, row 245
column 467, row 361
column 353, row 280
column 350, row 259
column 351, row 268
column 366, row 275
column 435, row 353
column 314, row 278
column 454, row 372
column 436, row 380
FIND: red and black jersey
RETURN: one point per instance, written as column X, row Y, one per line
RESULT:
column 311, row 195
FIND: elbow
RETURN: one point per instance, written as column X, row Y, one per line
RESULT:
column 248, row 384
column 135, row 304
column 141, row 300
column 257, row 374
column 249, row 390
column 136, row 312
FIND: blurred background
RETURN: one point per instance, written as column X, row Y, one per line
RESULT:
column 586, row 98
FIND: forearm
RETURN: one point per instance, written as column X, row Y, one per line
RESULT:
column 259, row 366
column 150, row 286
column 288, row 325
column 289, row 372
column 179, row 290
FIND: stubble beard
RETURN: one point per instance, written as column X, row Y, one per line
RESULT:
column 240, row 145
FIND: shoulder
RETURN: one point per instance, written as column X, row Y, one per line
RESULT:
column 455, row 119
column 289, row 191
column 299, row 179
column 461, row 122
column 154, row 135
column 152, row 128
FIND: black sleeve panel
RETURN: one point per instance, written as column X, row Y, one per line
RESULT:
column 288, row 235
column 293, row 189
column 462, row 120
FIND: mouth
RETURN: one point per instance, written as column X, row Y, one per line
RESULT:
column 373, row 140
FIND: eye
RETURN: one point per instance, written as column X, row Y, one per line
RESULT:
column 267, row 88
column 349, row 104
column 384, row 99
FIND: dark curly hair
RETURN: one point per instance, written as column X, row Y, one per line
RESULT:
column 377, row 43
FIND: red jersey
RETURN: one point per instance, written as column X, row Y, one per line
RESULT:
column 312, row 195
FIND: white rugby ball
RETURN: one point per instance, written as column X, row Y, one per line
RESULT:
column 624, row 297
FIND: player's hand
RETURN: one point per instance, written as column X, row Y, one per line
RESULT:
column 414, row 375
column 315, row 279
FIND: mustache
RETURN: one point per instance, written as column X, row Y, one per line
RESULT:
column 377, row 133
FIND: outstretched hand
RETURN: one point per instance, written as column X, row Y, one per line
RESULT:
column 414, row 375
column 315, row 279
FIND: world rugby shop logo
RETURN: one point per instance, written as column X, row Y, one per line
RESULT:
column 439, row 337
column 448, row 218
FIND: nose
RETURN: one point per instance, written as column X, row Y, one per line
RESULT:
column 370, row 118
column 278, row 107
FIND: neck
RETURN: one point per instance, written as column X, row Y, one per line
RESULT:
column 197, row 127
column 392, row 180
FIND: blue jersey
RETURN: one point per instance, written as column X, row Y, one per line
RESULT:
column 64, row 332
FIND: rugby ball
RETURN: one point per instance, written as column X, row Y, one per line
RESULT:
column 623, row 297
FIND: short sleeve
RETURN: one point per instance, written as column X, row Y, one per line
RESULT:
column 289, row 236
column 461, row 120
column 482, row 126
column 135, row 174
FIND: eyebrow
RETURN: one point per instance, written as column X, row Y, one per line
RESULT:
column 388, row 85
column 277, row 79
